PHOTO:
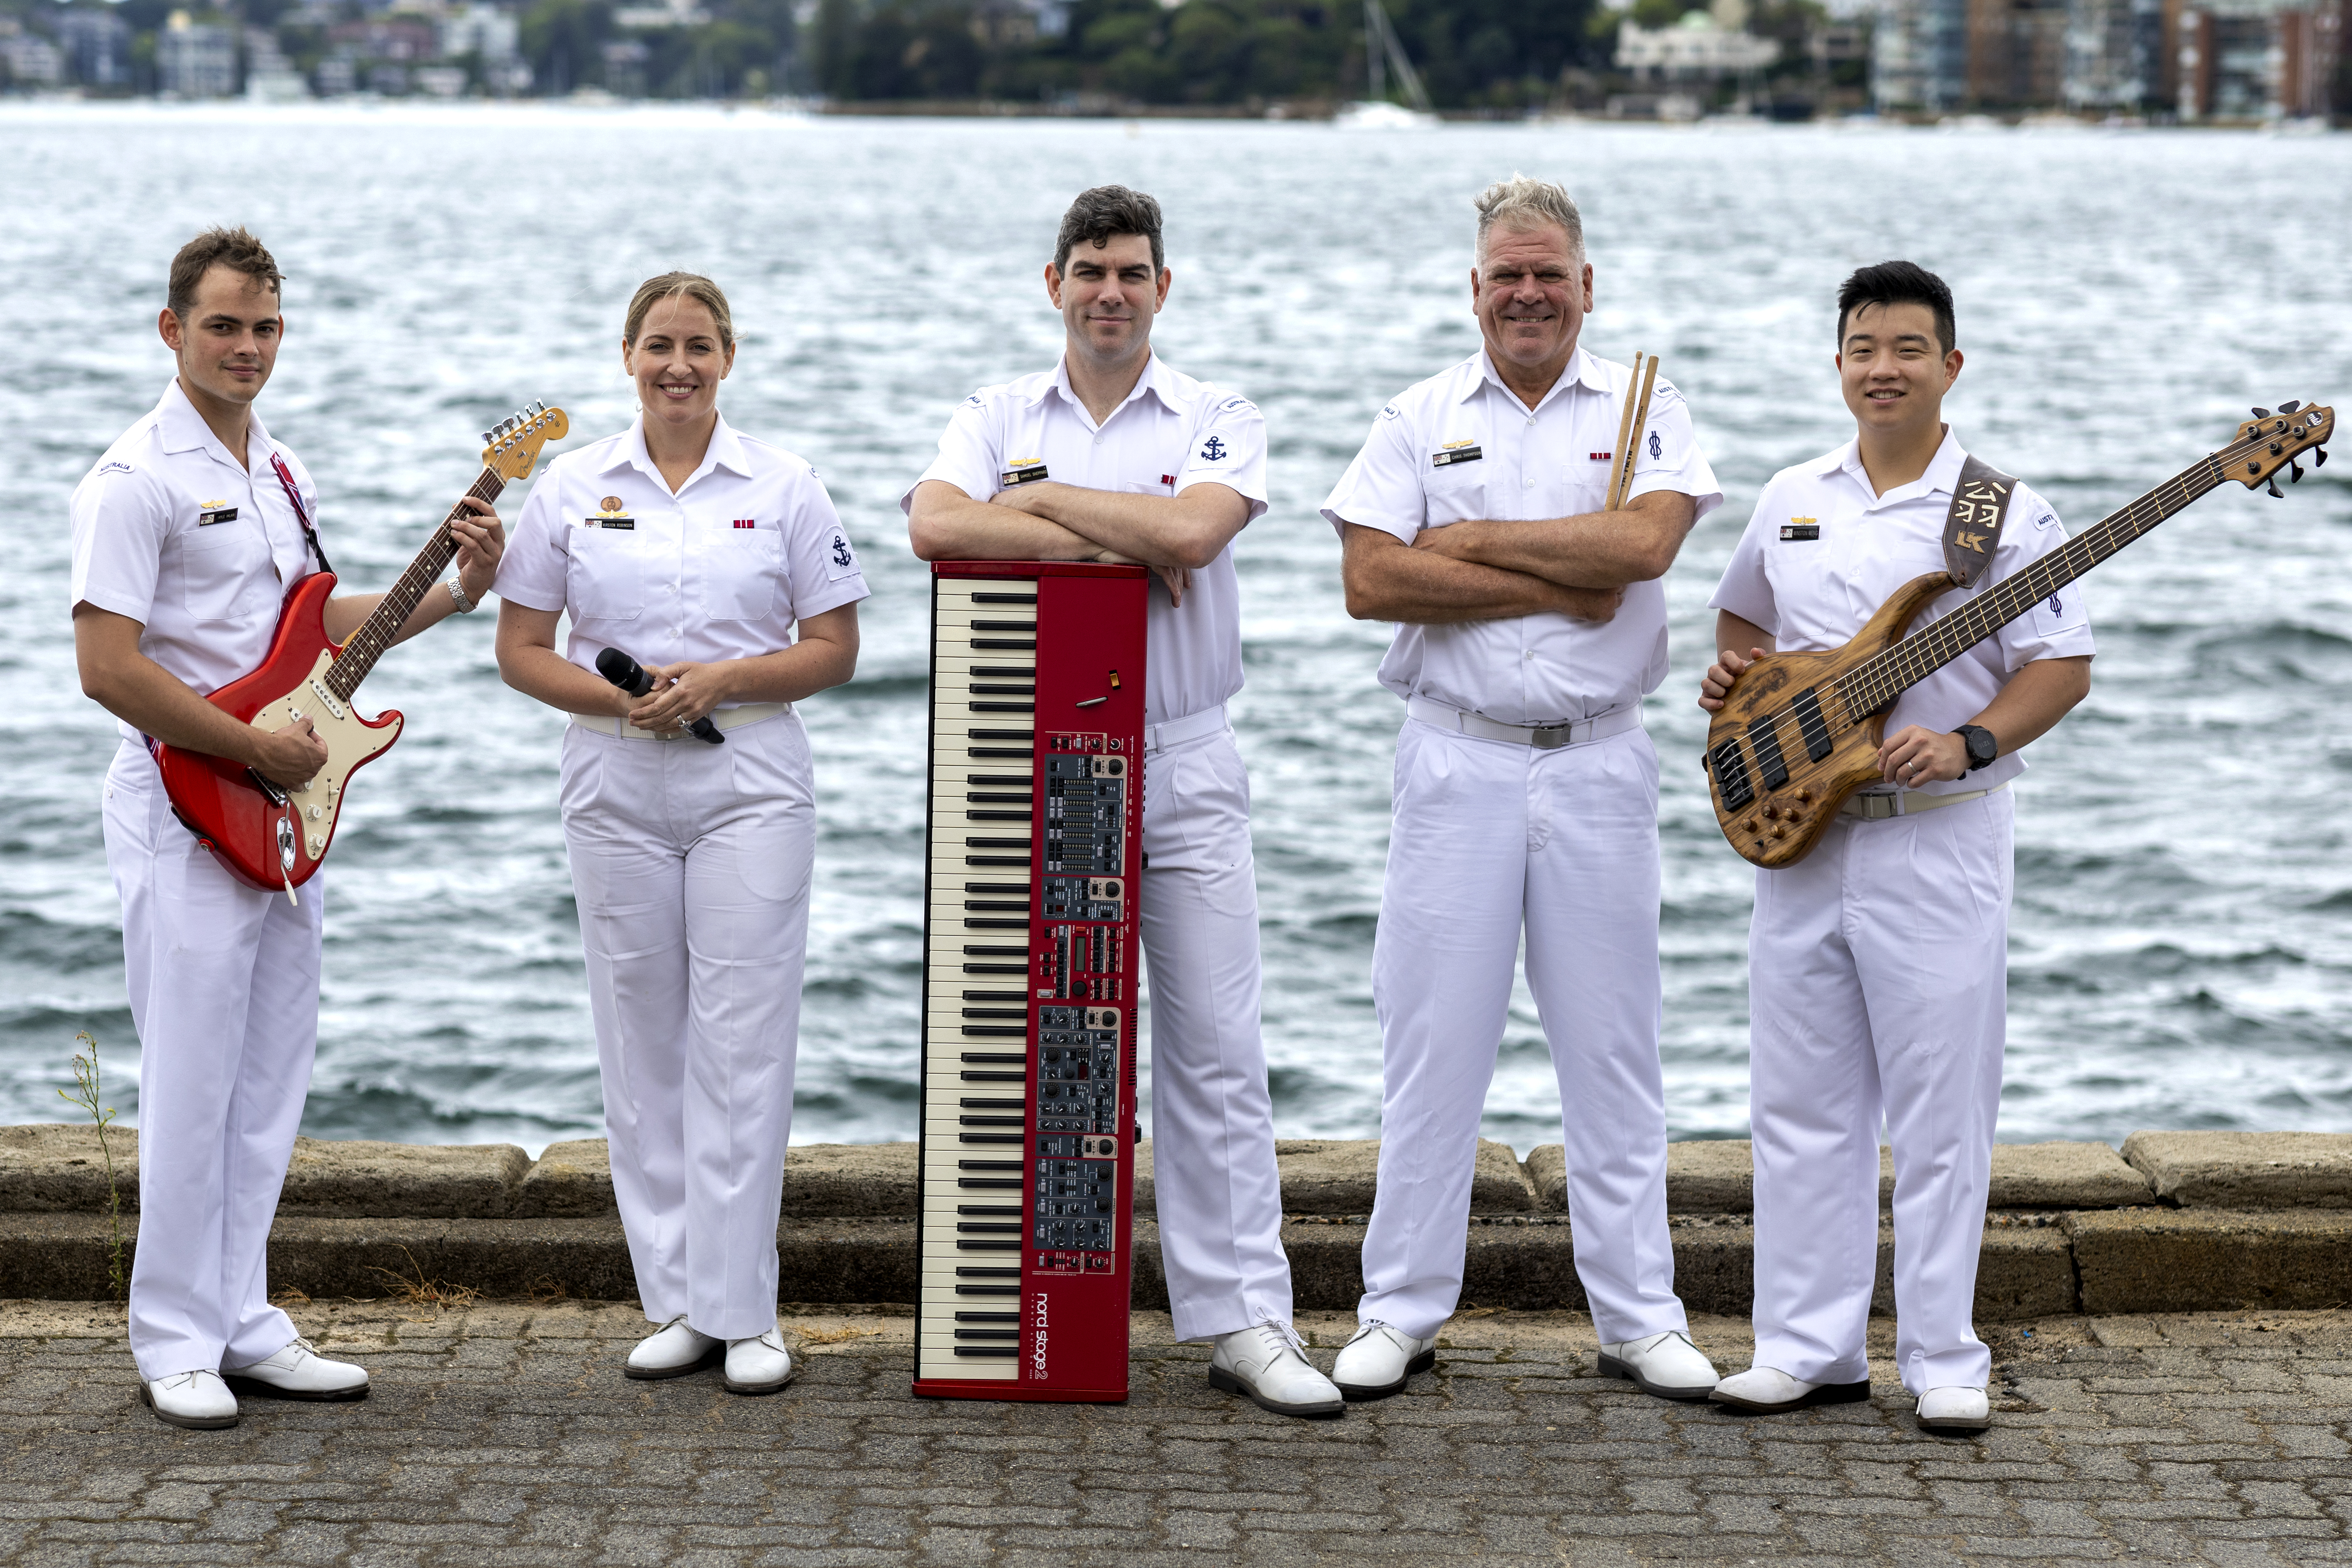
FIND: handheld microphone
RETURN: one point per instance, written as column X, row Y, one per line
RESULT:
column 630, row 676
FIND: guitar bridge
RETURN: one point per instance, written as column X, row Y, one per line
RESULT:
column 1732, row 774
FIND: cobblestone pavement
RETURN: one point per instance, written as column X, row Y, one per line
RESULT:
column 503, row 1433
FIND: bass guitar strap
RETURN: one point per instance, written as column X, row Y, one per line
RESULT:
column 1972, row 528
column 302, row 513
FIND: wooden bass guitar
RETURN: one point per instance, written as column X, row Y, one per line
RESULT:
column 1797, row 732
column 274, row 837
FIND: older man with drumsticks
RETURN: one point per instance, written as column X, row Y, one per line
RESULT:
column 1514, row 514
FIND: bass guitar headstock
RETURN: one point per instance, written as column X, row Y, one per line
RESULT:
column 2270, row 442
column 512, row 448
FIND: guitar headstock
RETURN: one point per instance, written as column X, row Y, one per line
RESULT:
column 2270, row 442
column 512, row 449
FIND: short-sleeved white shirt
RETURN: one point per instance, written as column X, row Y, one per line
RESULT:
column 171, row 532
column 1171, row 433
column 1823, row 552
column 1462, row 447
column 748, row 545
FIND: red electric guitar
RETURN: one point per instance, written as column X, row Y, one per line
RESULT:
column 270, row 837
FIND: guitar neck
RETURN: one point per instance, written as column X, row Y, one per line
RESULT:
column 1874, row 685
column 379, row 631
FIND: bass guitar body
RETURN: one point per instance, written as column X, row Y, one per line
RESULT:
column 266, row 837
column 1783, row 753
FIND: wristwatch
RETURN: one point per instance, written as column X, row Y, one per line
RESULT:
column 466, row 606
column 1982, row 746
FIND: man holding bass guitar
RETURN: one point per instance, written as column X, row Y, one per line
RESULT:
column 187, row 536
column 1877, row 964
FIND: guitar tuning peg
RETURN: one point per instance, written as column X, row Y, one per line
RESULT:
column 2276, row 492
column 2295, row 473
column 2290, row 407
column 2319, row 458
column 488, row 436
column 2262, row 413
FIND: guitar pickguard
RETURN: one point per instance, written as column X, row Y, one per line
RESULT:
column 319, row 802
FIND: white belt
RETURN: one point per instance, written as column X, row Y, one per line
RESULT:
column 1176, row 731
column 724, row 718
column 1878, row 806
column 1545, row 737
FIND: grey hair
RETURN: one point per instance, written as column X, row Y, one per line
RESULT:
column 1520, row 203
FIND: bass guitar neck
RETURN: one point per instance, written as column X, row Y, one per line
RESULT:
column 1799, row 732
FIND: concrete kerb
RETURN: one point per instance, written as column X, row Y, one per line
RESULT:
column 2074, row 1227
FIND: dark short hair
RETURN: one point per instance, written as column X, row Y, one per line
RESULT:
column 1898, row 283
column 1104, row 211
column 235, row 248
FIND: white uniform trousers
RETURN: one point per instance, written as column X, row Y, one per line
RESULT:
column 1213, row 1176
column 224, row 995
column 1489, row 836
column 1878, row 985
column 692, row 865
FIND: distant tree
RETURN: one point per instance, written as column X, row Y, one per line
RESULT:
column 564, row 40
column 835, row 47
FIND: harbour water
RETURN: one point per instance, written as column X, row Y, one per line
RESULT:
column 2181, row 950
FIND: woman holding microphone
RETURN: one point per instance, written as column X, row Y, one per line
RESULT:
column 698, row 551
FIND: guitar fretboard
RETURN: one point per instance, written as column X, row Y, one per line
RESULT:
column 379, row 631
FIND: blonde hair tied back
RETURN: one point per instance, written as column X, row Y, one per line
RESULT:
column 678, row 285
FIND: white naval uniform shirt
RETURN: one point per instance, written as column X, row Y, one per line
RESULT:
column 1171, row 433
column 170, row 531
column 748, row 545
column 1813, row 594
column 1550, row 461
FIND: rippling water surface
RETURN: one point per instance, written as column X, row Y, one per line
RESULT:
column 2182, row 946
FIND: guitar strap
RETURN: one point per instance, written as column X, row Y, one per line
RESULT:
column 302, row 513
column 1972, row 528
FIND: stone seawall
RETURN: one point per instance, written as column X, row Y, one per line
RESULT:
column 2177, row 1222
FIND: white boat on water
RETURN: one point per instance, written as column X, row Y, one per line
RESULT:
column 1383, row 51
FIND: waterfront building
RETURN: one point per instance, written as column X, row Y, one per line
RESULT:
column 2115, row 55
column 1919, row 56
column 195, row 59
column 485, row 32
column 32, row 60
column 2258, row 59
column 97, row 46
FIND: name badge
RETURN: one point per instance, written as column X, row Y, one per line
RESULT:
column 1454, row 452
column 627, row 524
column 214, row 512
column 1801, row 529
column 1022, row 471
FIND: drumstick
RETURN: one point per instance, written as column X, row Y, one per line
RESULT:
column 1640, row 422
column 1624, row 434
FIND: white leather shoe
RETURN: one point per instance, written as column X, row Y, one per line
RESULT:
column 195, row 1399
column 673, row 1350
column 1766, row 1390
column 1955, row 1410
column 300, row 1372
column 1262, row 1362
column 1667, row 1364
column 760, row 1364
column 1376, row 1361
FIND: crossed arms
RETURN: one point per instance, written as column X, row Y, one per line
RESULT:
column 1173, row 535
column 1487, row 571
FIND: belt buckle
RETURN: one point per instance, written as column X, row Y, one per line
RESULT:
column 1550, row 737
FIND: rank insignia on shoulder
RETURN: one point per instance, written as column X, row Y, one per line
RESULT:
column 1801, row 529
column 210, row 512
column 1022, row 471
column 1454, row 452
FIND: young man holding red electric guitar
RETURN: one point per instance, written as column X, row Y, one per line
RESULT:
column 1877, row 964
column 189, row 535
